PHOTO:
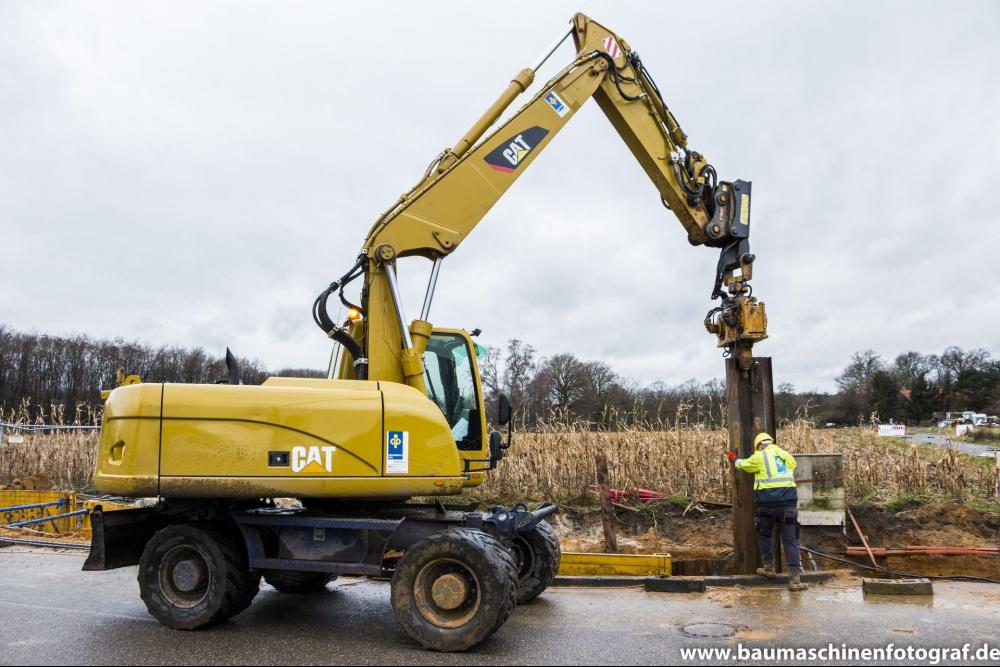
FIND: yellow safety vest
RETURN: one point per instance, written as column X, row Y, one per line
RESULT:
column 772, row 468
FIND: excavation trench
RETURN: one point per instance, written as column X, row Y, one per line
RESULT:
column 701, row 542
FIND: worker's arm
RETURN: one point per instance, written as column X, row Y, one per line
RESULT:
column 752, row 465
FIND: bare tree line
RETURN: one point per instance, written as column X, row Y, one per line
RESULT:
column 565, row 388
column 70, row 370
column 913, row 387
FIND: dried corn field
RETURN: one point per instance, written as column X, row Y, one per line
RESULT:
column 690, row 463
column 557, row 462
column 66, row 456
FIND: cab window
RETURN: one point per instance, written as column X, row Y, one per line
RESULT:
column 451, row 383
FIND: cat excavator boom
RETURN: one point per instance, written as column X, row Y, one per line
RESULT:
column 464, row 182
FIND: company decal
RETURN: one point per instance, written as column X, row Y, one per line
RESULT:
column 397, row 452
column 557, row 104
column 511, row 153
column 313, row 459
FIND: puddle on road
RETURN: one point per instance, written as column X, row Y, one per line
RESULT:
column 904, row 600
column 778, row 600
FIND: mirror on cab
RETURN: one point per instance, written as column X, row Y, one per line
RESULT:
column 504, row 410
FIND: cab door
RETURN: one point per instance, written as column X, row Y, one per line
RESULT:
column 453, row 383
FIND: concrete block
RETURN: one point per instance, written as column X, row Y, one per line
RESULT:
column 596, row 582
column 674, row 585
column 897, row 586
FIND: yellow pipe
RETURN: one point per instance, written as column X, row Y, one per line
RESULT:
column 635, row 565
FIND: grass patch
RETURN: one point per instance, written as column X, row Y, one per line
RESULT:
column 991, row 507
column 907, row 502
column 983, row 435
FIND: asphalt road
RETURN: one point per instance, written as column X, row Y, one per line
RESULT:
column 52, row 613
column 945, row 442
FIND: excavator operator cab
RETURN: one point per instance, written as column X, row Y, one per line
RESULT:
column 451, row 376
column 452, row 380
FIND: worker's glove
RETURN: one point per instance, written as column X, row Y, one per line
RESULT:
column 731, row 456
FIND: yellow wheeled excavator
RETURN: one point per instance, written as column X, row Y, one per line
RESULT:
column 405, row 417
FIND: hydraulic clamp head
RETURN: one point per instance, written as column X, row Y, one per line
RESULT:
column 738, row 323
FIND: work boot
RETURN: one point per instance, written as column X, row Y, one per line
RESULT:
column 795, row 580
column 767, row 570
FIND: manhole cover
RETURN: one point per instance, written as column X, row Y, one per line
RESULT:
column 709, row 629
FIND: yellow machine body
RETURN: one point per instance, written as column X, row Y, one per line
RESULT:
column 289, row 437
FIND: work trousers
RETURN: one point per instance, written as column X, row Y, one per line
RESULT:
column 787, row 520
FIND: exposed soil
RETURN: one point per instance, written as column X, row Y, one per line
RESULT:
column 938, row 525
column 663, row 528
column 39, row 482
column 933, row 525
column 656, row 528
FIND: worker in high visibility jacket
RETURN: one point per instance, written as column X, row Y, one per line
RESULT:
column 777, row 504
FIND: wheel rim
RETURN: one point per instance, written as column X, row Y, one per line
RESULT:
column 184, row 576
column 446, row 593
column 524, row 557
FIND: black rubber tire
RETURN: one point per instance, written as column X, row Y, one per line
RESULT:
column 287, row 581
column 535, row 574
column 231, row 586
column 491, row 563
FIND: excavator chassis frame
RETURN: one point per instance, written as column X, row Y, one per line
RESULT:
column 364, row 540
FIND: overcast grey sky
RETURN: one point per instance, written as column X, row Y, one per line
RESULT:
column 194, row 173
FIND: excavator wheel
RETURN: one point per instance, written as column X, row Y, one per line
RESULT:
column 192, row 577
column 286, row 581
column 536, row 553
column 454, row 589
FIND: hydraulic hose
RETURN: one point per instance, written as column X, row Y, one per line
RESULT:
column 617, row 77
column 321, row 316
column 360, row 363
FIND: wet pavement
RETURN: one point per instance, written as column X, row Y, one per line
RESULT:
column 52, row 613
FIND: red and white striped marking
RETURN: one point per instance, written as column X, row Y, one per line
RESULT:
column 611, row 46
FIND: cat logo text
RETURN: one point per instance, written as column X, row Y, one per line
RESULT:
column 314, row 459
column 510, row 154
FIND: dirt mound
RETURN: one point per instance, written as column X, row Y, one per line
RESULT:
column 945, row 525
